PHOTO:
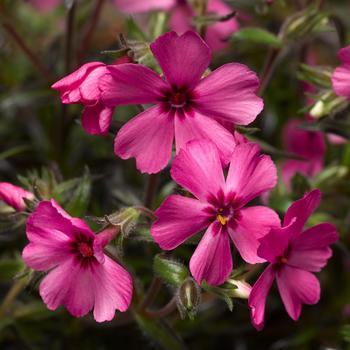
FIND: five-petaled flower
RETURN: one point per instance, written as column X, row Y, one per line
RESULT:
column 14, row 196
column 187, row 106
column 219, row 206
column 293, row 255
column 80, row 276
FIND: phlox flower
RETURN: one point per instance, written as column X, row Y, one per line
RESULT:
column 341, row 76
column 187, row 106
column 13, row 196
column 80, row 276
column 293, row 255
column 81, row 86
column 219, row 207
column 308, row 145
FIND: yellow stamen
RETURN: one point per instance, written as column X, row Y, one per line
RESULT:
column 222, row 219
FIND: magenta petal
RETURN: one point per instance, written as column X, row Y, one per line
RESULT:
column 180, row 18
column 302, row 209
column 131, row 84
column 13, row 195
column 253, row 224
column 310, row 250
column 183, row 59
column 89, row 90
column 148, row 138
column 229, row 93
column 296, row 287
column 68, row 285
column 212, row 260
column 341, row 76
column 138, row 6
column 275, row 244
column 198, row 169
column 199, row 127
column 97, row 119
column 44, row 5
column 178, row 219
column 258, row 296
column 250, row 174
column 112, row 286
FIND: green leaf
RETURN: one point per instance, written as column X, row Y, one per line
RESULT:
column 79, row 200
column 9, row 268
column 171, row 271
column 258, row 36
column 13, row 151
column 160, row 333
column 345, row 331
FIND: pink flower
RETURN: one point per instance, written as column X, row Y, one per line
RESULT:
column 138, row 6
column 187, row 107
column 80, row 276
column 217, row 34
column 219, row 207
column 81, row 87
column 44, row 5
column 293, row 254
column 13, row 196
column 341, row 76
column 308, row 145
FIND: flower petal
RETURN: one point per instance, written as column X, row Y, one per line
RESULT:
column 229, row 93
column 253, row 224
column 296, row 287
column 258, row 296
column 341, row 76
column 112, row 286
column 250, row 174
column 97, row 119
column 149, row 138
column 183, row 59
column 212, row 260
column 131, row 84
column 180, row 18
column 199, row 127
column 310, row 250
column 178, row 219
column 198, row 169
column 302, row 209
column 13, row 195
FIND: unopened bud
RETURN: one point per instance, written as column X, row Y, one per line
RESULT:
column 188, row 298
column 328, row 104
column 126, row 219
column 241, row 289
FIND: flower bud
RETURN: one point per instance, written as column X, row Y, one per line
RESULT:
column 328, row 103
column 188, row 298
column 126, row 219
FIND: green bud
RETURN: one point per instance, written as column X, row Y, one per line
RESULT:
column 316, row 75
column 126, row 219
column 169, row 270
column 188, row 298
column 328, row 103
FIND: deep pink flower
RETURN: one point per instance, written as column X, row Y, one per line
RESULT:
column 80, row 276
column 81, row 86
column 187, row 107
column 219, row 207
column 182, row 15
column 293, row 254
column 308, row 145
column 341, row 76
column 13, row 196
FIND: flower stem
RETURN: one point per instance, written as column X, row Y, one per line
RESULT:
column 11, row 296
column 89, row 31
column 150, row 294
column 151, row 187
column 165, row 311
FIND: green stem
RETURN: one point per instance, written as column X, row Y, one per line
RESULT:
column 151, row 188
column 11, row 296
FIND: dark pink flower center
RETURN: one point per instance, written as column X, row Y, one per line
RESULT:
column 85, row 249
column 178, row 100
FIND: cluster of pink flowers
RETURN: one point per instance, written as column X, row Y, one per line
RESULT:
column 191, row 106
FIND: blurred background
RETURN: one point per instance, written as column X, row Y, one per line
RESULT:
column 291, row 44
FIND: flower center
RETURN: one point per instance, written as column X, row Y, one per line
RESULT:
column 224, row 215
column 85, row 249
column 178, row 100
column 282, row 260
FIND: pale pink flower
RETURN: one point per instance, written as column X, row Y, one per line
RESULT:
column 293, row 255
column 13, row 196
column 80, row 276
column 81, row 87
column 139, row 6
column 341, row 76
column 217, row 34
column 219, row 207
column 187, row 106
column 308, row 145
